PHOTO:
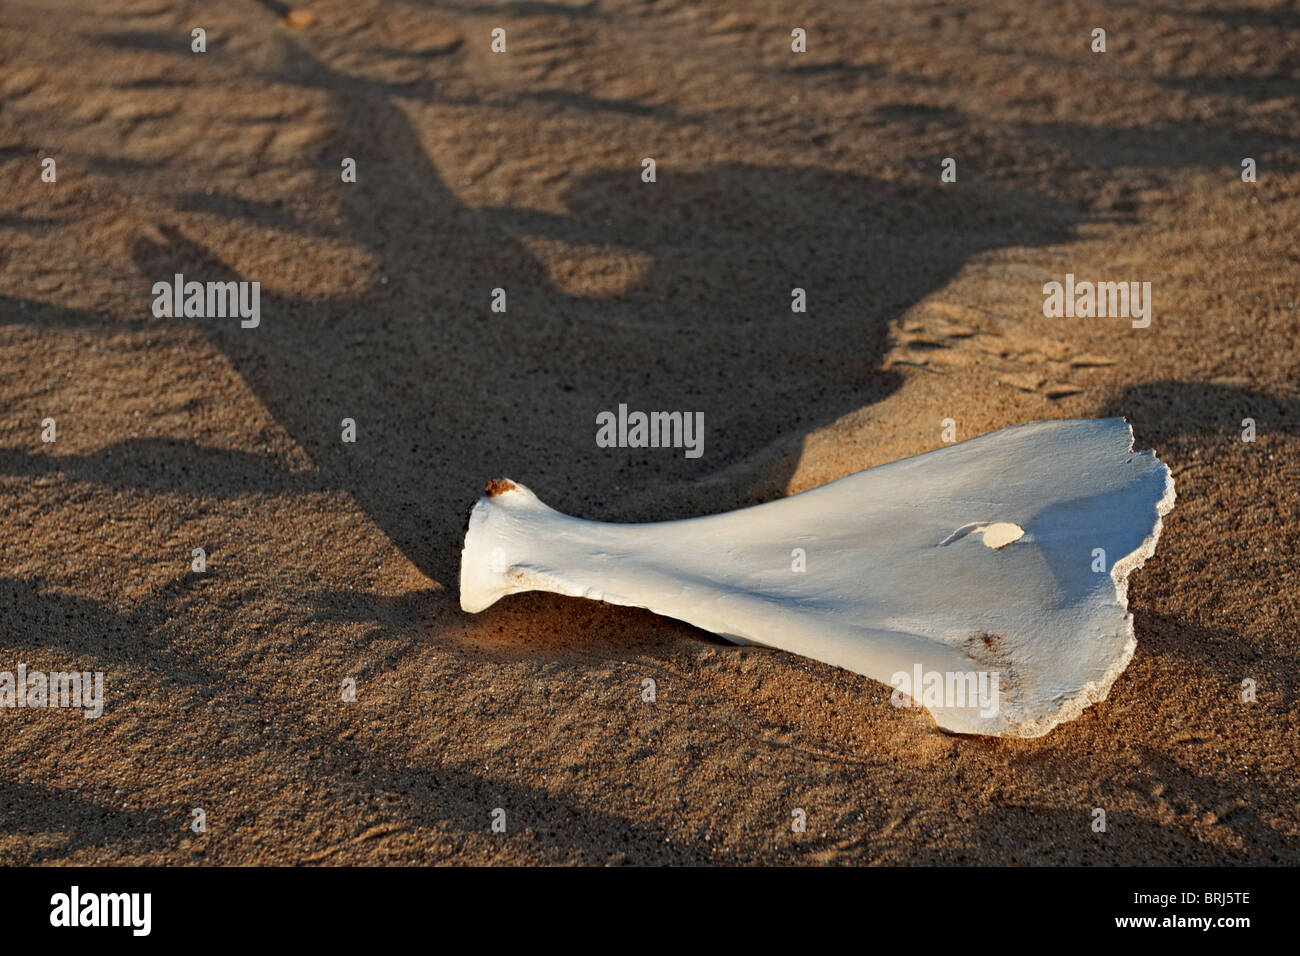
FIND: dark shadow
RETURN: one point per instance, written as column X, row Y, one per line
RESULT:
column 54, row 824
column 838, row 69
column 122, row 165
column 1168, row 147
column 919, row 115
column 598, row 104
column 157, row 83
column 522, row 8
column 8, row 153
column 1182, row 816
column 460, row 802
column 1192, row 794
column 1254, row 87
column 399, row 612
column 1275, row 17
column 1197, row 427
column 414, row 791
column 30, row 312
column 706, row 325
column 95, row 637
column 277, row 7
column 164, row 464
column 505, row 631
column 1080, row 524
column 1212, row 649
column 426, row 54
column 273, row 215
column 1170, row 411
column 26, row 222
column 159, row 41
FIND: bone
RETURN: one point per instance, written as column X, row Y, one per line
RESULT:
column 968, row 578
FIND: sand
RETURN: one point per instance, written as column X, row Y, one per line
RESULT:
column 329, row 561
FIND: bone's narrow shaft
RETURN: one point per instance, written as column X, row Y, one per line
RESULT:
column 673, row 568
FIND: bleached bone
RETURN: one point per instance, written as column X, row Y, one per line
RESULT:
column 979, row 557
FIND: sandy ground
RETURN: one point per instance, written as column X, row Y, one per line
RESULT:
column 522, row 171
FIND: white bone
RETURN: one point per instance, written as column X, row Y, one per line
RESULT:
column 975, row 558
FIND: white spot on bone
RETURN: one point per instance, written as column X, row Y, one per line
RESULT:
column 1002, row 533
column 997, row 534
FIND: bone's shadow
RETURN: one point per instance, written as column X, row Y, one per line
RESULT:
column 447, row 394
column 504, row 631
